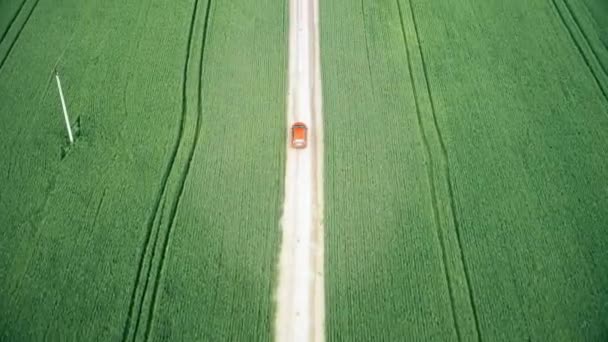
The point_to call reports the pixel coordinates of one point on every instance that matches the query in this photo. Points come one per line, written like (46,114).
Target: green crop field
(466,169)
(162,220)
(468,198)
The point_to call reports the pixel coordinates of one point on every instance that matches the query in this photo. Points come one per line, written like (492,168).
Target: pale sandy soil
(300,294)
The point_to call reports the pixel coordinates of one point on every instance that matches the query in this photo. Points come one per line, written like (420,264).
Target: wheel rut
(161,223)
(440,180)
(14,41)
(430,177)
(184,176)
(585,35)
(10,24)
(574,30)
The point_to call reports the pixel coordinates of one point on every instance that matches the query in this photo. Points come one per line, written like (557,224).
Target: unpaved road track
(300,298)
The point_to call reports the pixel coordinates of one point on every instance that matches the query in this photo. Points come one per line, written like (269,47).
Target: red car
(298,135)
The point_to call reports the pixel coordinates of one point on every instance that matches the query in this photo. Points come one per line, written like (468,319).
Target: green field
(466,169)
(162,220)
(468,198)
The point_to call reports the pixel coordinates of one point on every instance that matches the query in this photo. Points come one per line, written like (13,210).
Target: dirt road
(300,295)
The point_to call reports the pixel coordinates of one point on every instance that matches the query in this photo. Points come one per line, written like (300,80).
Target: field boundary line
(12,45)
(319,229)
(578,46)
(164,180)
(446,174)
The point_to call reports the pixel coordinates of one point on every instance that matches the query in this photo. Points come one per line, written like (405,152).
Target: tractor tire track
(184,176)
(584,56)
(164,181)
(430,177)
(10,24)
(14,41)
(585,36)
(446,178)
(143,294)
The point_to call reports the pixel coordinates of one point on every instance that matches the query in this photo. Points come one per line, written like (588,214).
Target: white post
(65,111)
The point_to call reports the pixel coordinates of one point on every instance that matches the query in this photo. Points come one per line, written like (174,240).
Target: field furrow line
(10,24)
(182,183)
(284,21)
(579,48)
(430,176)
(98,209)
(14,41)
(164,180)
(446,174)
(369,64)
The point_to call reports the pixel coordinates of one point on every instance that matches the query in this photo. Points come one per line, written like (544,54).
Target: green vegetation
(14,15)
(593,14)
(587,24)
(162,220)
(467,198)
(8,15)
(466,147)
